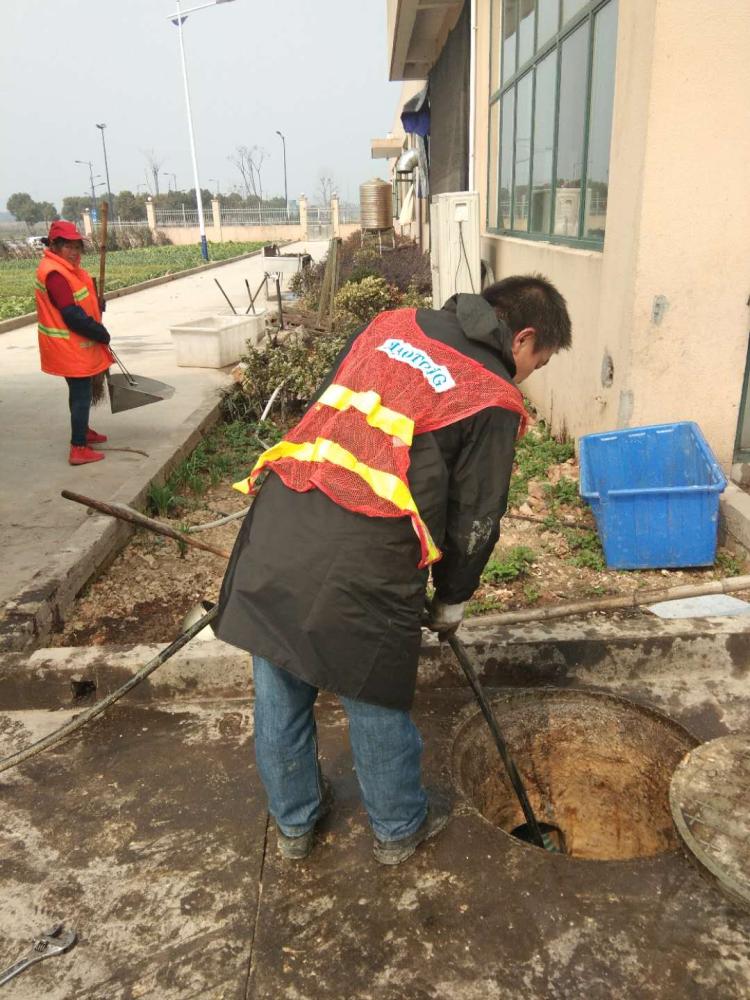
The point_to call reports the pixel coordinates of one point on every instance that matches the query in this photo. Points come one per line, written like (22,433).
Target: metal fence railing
(259,217)
(128,223)
(181,217)
(230,217)
(349,213)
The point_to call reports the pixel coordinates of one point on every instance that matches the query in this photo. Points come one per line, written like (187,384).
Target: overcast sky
(314,69)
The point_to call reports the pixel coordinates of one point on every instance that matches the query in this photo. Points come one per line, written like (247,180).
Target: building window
(552,79)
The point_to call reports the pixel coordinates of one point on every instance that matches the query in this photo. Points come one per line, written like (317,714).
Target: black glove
(81,323)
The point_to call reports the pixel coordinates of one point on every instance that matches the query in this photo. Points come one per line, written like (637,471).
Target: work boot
(93,438)
(298,848)
(81,454)
(393,852)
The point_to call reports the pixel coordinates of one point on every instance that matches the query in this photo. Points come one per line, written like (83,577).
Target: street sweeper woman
(72,341)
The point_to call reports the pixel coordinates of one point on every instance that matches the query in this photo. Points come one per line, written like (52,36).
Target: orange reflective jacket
(353,444)
(62,351)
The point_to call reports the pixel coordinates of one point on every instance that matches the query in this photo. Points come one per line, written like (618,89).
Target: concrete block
(734,509)
(216,341)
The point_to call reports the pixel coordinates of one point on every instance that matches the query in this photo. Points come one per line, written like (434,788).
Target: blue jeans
(386,747)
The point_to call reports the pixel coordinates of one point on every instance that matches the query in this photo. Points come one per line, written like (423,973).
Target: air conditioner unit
(455,255)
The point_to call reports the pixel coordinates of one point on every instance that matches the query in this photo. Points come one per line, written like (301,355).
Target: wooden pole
(142,521)
(637,599)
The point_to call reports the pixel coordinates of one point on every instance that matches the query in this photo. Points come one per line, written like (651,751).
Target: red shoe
(81,455)
(93,438)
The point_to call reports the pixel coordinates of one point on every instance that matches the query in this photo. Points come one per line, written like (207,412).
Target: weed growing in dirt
(225,455)
(531,593)
(535,453)
(728,563)
(516,563)
(481,605)
(585,547)
(161,499)
(564,493)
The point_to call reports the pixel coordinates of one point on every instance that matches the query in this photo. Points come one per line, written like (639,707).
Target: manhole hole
(595,766)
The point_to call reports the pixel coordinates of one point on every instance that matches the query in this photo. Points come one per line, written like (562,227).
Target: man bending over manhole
(401,465)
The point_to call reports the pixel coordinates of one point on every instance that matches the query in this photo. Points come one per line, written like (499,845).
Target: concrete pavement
(50,546)
(148,833)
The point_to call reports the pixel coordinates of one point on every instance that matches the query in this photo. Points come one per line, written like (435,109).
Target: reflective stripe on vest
(369,403)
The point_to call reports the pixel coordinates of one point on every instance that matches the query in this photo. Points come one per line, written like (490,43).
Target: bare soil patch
(148,589)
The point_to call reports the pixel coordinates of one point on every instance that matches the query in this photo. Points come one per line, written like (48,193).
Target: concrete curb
(592,651)
(32,615)
(15,322)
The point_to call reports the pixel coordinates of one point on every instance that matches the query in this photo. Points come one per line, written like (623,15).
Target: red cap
(63,230)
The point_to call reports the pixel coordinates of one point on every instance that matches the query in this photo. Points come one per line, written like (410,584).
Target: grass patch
(225,455)
(585,547)
(515,563)
(124,268)
(535,453)
(729,564)
(482,605)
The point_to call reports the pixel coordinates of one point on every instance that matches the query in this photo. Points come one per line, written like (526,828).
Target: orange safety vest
(353,443)
(62,351)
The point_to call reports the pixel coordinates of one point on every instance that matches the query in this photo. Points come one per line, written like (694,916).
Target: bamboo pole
(637,599)
(125,513)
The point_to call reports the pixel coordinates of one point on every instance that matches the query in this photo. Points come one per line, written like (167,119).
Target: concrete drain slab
(477,916)
(145,833)
(148,834)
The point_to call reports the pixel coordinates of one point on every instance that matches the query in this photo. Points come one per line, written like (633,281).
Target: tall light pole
(87,163)
(177,19)
(286,195)
(213,180)
(101,128)
(174,181)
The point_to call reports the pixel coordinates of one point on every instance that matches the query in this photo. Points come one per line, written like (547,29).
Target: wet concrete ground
(148,834)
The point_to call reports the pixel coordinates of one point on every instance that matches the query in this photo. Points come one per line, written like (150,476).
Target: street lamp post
(286,195)
(101,128)
(214,180)
(87,163)
(174,181)
(177,18)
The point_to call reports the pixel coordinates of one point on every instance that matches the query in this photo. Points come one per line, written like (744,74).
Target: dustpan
(127,391)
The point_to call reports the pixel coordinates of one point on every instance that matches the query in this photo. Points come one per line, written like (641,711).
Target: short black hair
(531,300)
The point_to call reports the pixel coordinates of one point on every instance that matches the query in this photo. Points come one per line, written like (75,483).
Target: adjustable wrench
(54,942)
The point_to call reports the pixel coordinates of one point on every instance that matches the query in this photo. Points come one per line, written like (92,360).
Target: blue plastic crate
(654,492)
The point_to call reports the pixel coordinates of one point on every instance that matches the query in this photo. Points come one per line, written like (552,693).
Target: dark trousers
(79,400)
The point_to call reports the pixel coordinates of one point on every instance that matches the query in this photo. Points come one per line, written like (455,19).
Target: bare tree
(326,187)
(154,166)
(249,162)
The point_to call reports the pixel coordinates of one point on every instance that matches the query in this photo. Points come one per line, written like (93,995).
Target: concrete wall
(678,227)
(182,235)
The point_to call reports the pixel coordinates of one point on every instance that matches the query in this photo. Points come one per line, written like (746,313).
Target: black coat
(336,597)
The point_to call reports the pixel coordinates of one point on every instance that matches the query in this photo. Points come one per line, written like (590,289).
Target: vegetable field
(124,268)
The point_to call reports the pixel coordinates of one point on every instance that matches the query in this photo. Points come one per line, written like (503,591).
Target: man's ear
(523,336)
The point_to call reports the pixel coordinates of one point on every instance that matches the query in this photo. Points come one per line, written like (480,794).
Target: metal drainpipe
(472,89)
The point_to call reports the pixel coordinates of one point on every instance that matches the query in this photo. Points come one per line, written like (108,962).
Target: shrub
(366,298)
(298,364)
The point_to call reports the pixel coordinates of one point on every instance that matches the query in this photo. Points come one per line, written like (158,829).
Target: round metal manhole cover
(708,796)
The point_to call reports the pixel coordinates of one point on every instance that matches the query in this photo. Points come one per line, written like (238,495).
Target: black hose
(101,706)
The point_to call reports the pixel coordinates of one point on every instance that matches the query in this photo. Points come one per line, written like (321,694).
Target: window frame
(553,44)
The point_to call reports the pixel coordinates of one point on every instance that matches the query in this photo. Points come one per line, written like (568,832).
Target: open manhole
(596,767)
